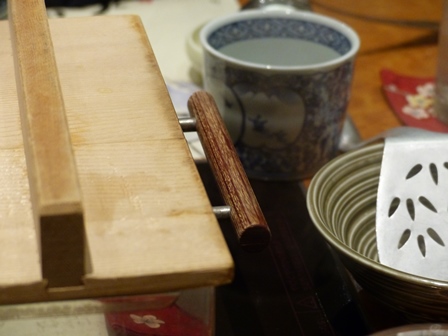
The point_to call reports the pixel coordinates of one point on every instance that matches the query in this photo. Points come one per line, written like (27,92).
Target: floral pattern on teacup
(267,115)
(292,127)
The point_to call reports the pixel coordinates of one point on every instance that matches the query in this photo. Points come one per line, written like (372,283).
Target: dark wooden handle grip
(247,218)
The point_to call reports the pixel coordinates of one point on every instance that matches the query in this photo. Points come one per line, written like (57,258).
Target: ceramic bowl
(342,203)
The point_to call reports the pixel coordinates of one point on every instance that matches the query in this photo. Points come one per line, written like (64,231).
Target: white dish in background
(194,52)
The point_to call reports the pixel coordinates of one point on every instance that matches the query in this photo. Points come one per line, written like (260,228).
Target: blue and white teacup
(281,80)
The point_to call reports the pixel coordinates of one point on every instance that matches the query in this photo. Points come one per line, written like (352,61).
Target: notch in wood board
(52,173)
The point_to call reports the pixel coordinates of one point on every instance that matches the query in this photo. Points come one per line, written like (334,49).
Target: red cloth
(170,321)
(411,98)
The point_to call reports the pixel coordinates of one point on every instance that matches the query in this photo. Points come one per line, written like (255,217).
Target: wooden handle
(54,186)
(248,220)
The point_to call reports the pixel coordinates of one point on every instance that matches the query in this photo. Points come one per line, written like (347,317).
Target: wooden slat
(149,225)
(55,191)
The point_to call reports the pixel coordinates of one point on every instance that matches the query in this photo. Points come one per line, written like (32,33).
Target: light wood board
(149,225)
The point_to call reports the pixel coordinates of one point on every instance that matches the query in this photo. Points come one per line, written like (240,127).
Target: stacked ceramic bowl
(342,203)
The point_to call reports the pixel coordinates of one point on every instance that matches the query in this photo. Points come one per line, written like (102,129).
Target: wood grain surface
(149,225)
(52,173)
(250,225)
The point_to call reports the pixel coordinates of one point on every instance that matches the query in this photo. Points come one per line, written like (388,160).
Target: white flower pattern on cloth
(150,320)
(419,105)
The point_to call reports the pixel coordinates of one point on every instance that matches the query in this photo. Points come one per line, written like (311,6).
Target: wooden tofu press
(99,193)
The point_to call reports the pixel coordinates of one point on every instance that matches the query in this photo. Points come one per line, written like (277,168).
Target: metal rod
(188,124)
(222,212)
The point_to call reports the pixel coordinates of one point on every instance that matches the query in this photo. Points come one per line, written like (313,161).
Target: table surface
(297,286)
(407,50)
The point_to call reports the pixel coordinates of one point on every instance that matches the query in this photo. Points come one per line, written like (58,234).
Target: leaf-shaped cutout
(426,202)
(421,244)
(411,208)
(394,206)
(414,171)
(404,238)
(435,236)
(434,173)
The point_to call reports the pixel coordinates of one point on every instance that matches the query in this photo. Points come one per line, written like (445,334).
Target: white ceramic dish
(194,50)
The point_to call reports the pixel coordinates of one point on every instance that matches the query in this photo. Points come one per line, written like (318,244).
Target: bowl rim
(312,195)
